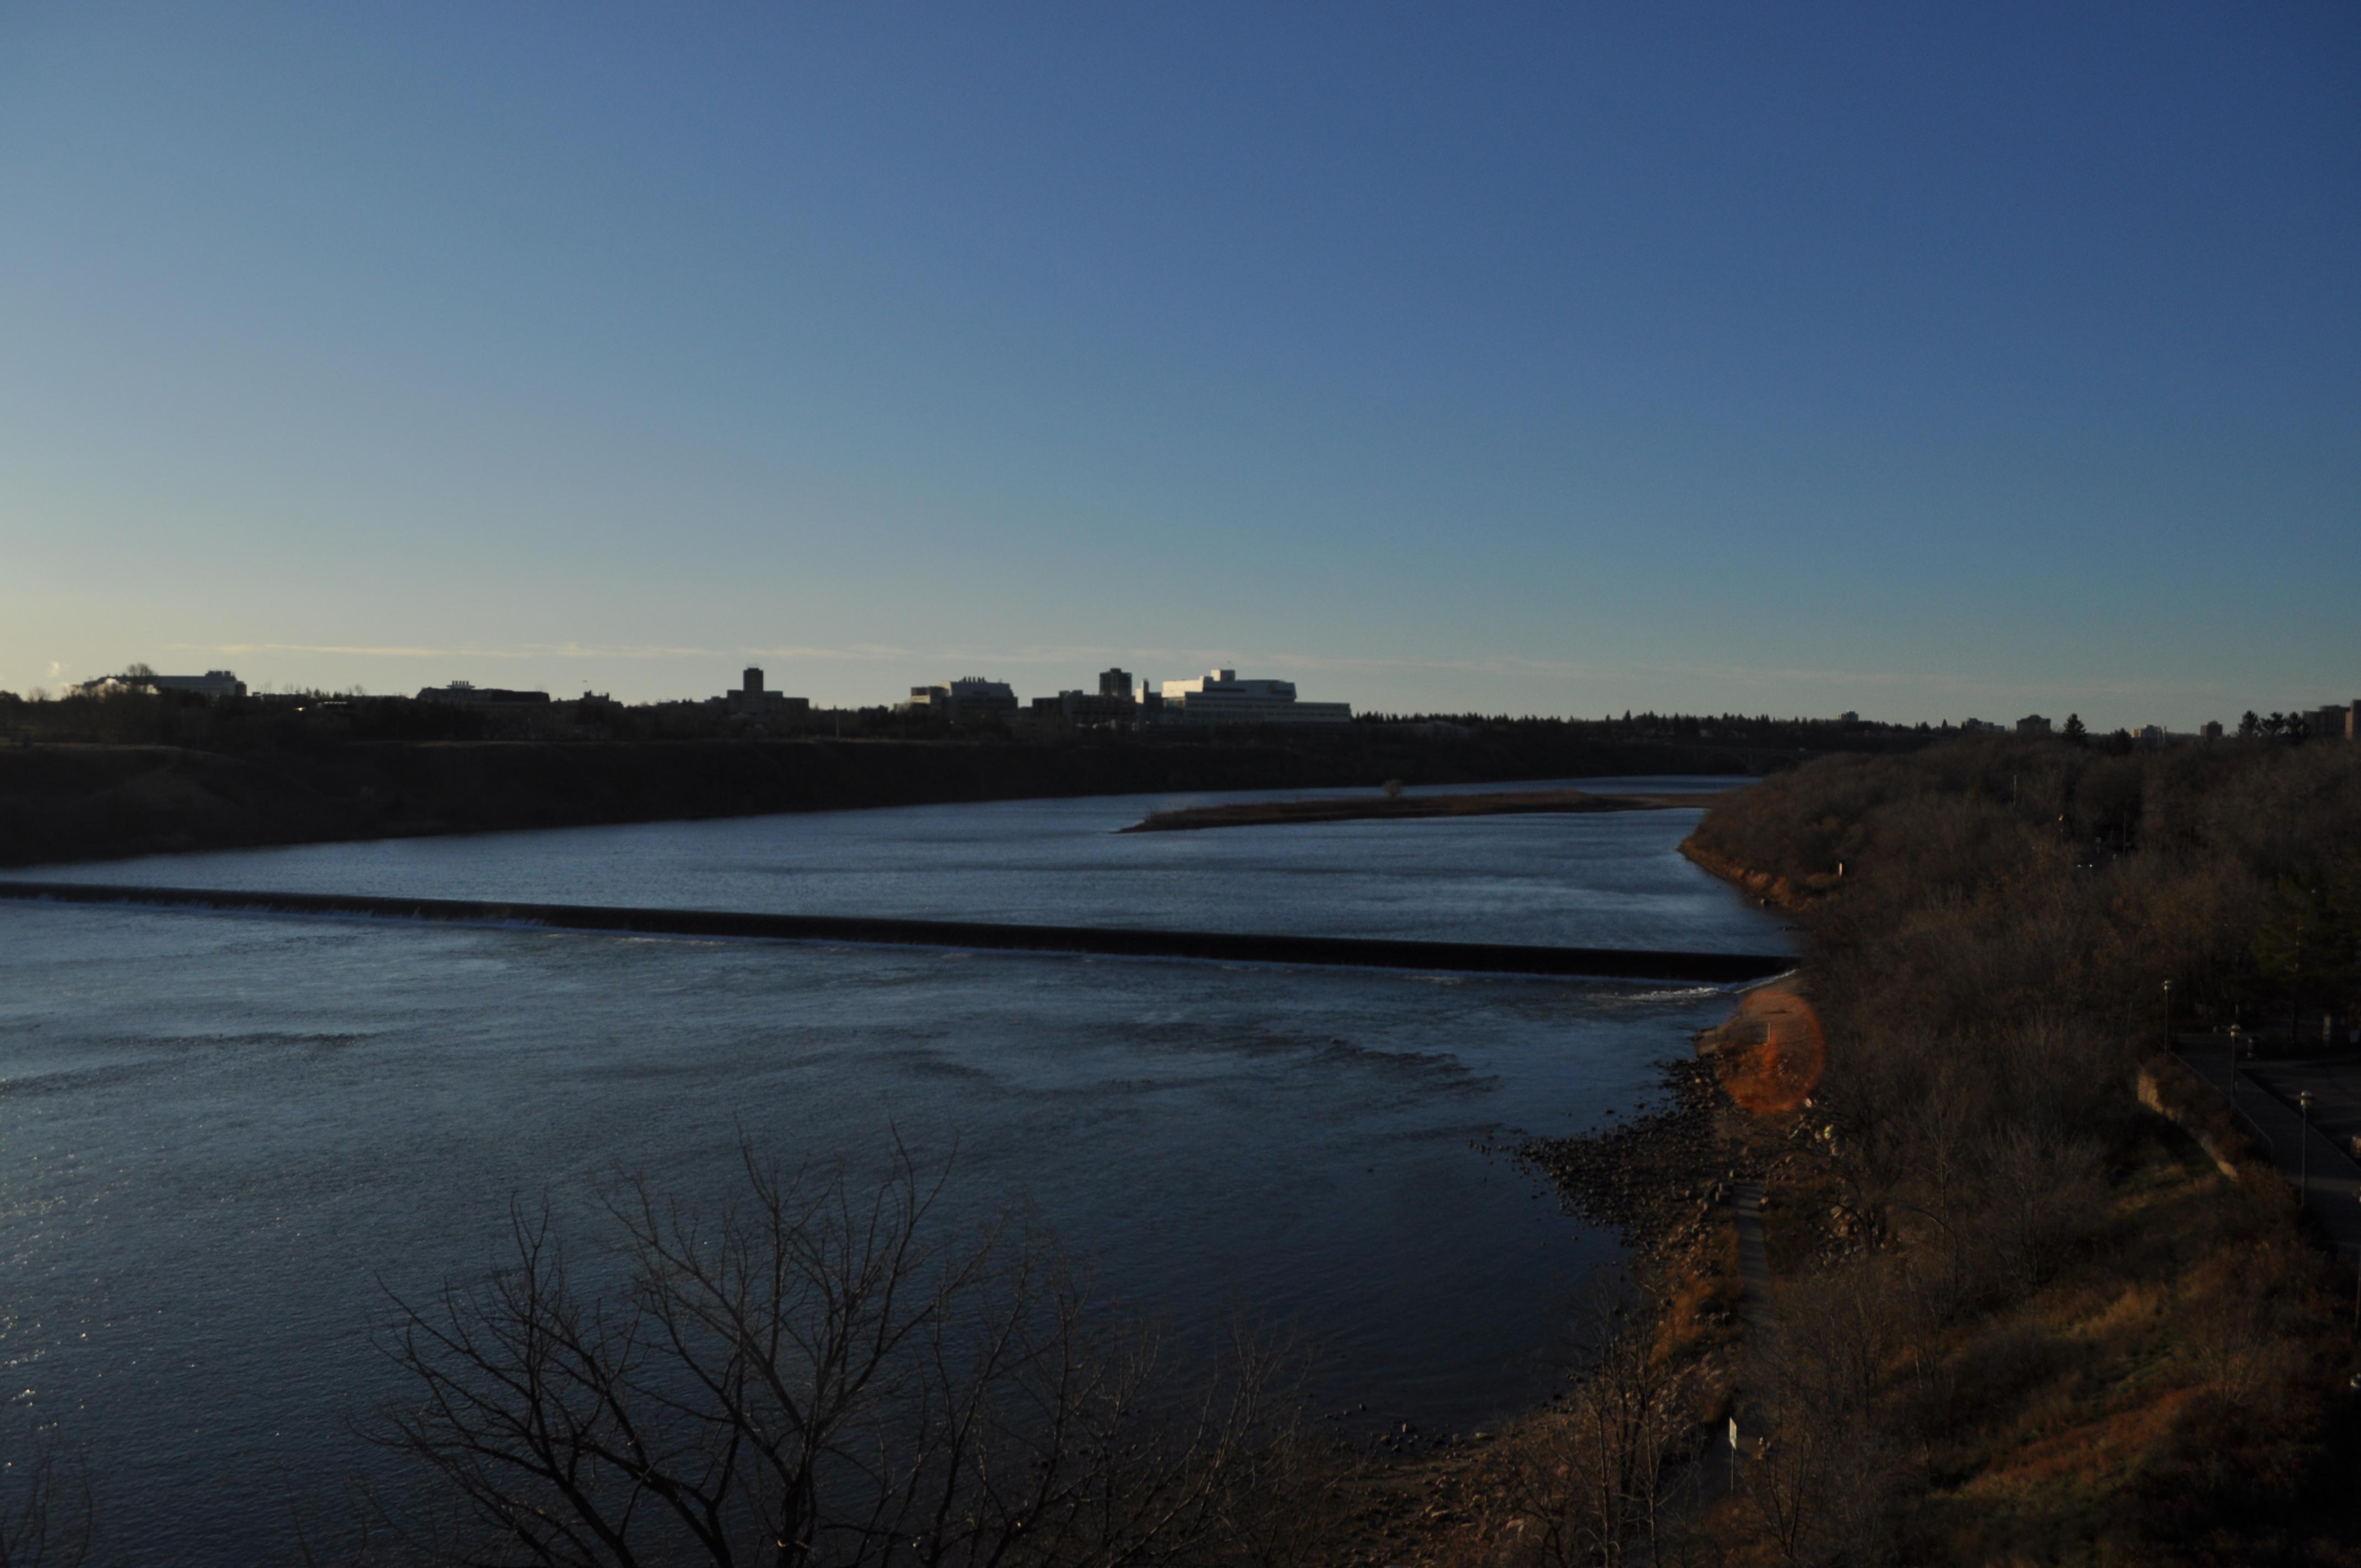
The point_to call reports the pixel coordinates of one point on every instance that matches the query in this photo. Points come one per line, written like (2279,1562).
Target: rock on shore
(1653,1179)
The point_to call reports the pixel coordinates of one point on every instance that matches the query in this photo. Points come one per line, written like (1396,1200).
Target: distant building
(965,701)
(1220,697)
(1849,717)
(465,694)
(2333,722)
(212,686)
(1113,703)
(753,701)
(1087,707)
(2211,729)
(2033,724)
(2150,736)
(1976,727)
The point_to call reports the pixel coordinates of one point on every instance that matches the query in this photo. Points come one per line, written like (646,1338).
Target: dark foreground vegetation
(142,774)
(819,1375)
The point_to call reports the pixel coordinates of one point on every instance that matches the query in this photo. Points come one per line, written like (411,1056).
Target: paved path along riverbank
(1753,1261)
(2264,1095)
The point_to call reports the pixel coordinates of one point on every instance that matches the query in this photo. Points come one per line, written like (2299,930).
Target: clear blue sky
(1927,361)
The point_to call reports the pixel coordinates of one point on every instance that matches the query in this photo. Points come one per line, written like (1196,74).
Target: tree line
(2039,1322)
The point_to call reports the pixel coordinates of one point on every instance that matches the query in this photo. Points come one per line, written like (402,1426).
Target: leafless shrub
(1595,1477)
(816,1378)
(2046,1195)
(1818,1488)
(1823,1472)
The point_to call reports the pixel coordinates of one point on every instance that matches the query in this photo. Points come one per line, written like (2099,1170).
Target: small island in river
(1494,803)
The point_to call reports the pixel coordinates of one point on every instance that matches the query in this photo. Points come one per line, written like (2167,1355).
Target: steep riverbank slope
(2020,1314)
(2022,1293)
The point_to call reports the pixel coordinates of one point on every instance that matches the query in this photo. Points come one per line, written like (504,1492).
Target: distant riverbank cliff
(70,800)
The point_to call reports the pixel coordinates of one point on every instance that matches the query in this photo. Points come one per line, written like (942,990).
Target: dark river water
(224,1138)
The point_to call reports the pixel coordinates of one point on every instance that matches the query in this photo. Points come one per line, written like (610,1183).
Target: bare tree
(1596,1476)
(49,1510)
(2046,1192)
(814,1378)
(1821,1475)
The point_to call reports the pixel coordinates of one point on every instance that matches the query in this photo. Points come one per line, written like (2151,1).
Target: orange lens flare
(1772,1053)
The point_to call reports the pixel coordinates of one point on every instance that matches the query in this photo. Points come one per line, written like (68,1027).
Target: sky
(1921,361)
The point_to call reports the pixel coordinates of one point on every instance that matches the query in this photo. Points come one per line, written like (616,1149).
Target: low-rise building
(1113,703)
(2033,724)
(965,701)
(1081,708)
(752,700)
(1218,696)
(212,686)
(465,694)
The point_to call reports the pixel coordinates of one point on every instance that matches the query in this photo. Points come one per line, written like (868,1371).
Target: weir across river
(1476,958)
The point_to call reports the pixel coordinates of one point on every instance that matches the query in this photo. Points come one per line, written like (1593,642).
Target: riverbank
(2160,1388)
(2020,1311)
(1385,807)
(1661,1180)
(1795,896)
(2018,1299)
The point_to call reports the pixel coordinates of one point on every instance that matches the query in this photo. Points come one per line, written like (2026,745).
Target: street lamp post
(2303,1139)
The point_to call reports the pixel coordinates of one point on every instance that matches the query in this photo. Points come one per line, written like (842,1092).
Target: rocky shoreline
(1660,1181)
(1656,1179)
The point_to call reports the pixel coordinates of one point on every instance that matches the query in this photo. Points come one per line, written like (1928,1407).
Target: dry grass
(2159,1401)
(2197,1322)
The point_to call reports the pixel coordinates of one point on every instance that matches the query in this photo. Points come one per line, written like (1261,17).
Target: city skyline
(1438,360)
(758,676)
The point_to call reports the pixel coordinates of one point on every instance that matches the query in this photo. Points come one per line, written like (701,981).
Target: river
(226,1137)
